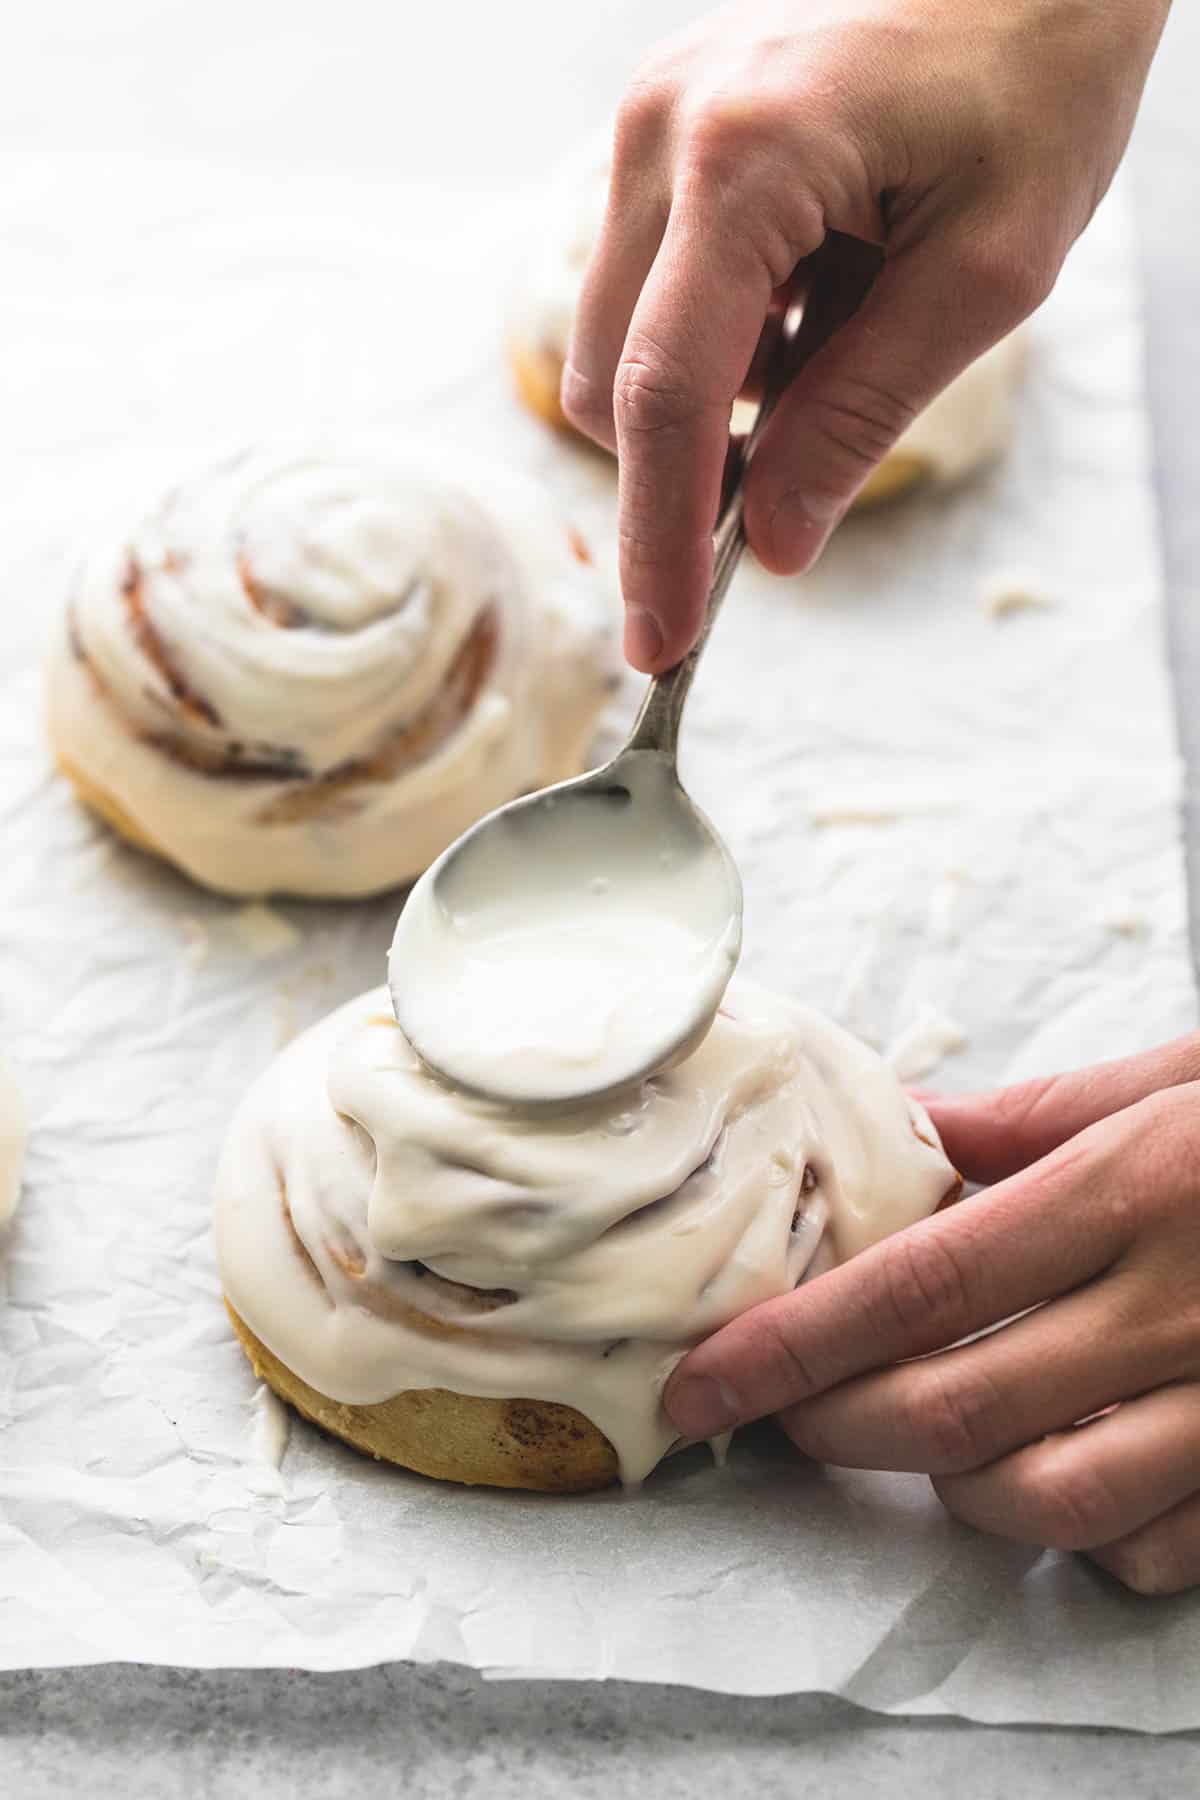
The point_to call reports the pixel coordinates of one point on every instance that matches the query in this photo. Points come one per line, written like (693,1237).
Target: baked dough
(533,1444)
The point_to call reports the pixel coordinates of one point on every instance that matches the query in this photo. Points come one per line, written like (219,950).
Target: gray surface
(440,1732)
(164,1733)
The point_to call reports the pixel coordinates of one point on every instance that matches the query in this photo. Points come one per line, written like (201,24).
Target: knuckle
(1072,1506)
(651,393)
(586,403)
(642,114)
(1009,279)
(924,1285)
(731,170)
(952,1421)
(718,130)
(1163,1123)
(1088,1176)
(1186,1059)
(1016,1108)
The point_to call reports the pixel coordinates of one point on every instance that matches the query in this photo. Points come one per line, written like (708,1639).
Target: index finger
(689,346)
(990,1136)
(1034,1237)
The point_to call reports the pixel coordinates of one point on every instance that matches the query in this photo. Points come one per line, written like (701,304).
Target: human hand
(971,140)
(1095,1222)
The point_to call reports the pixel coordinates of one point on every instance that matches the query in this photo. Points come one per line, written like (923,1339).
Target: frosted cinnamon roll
(493,1296)
(308,673)
(969,423)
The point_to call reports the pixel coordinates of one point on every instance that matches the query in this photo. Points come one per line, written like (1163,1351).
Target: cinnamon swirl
(307,673)
(966,426)
(493,1296)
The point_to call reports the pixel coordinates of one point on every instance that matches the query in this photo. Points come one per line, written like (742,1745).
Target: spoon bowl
(572,942)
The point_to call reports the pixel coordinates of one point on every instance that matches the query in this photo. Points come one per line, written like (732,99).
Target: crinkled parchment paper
(957,823)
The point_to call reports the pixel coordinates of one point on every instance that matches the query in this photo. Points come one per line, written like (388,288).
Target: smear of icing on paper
(1012,591)
(268,1440)
(922,1045)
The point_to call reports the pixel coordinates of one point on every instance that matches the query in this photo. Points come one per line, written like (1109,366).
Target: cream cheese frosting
(965,426)
(580,1253)
(310,669)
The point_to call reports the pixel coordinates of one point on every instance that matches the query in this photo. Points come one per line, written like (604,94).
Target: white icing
(965,426)
(623,1232)
(197,941)
(1125,919)
(921,1046)
(263,931)
(270,1434)
(572,944)
(14,1134)
(268,1441)
(314,604)
(945,903)
(1013,590)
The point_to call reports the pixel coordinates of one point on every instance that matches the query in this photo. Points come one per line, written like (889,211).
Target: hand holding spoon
(580,939)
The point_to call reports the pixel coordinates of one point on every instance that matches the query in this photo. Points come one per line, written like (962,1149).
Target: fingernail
(799,525)
(643,638)
(700,1406)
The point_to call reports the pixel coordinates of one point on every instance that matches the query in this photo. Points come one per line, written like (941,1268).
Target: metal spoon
(463,967)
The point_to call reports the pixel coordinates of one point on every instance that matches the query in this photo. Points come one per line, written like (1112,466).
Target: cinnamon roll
(496,1296)
(307,673)
(14,1132)
(966,426)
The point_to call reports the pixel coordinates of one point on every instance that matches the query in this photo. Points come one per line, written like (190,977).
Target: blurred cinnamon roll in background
(307,673)
(965,427)
(497,1295)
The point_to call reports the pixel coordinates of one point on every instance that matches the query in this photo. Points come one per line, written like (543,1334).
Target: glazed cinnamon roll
(493,1296)
(969,423)
(308,673)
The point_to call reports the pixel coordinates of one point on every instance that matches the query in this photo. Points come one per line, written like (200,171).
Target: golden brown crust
(454,1437)
(537,374)
(895,475)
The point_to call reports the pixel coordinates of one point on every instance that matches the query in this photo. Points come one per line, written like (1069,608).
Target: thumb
(935,307)
(992,1136)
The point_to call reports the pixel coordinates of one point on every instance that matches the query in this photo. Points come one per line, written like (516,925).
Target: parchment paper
(954,828)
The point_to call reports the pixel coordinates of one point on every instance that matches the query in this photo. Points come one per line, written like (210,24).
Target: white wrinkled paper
(957,825)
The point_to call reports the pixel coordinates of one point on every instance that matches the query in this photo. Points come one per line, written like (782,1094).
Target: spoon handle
(839,277)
